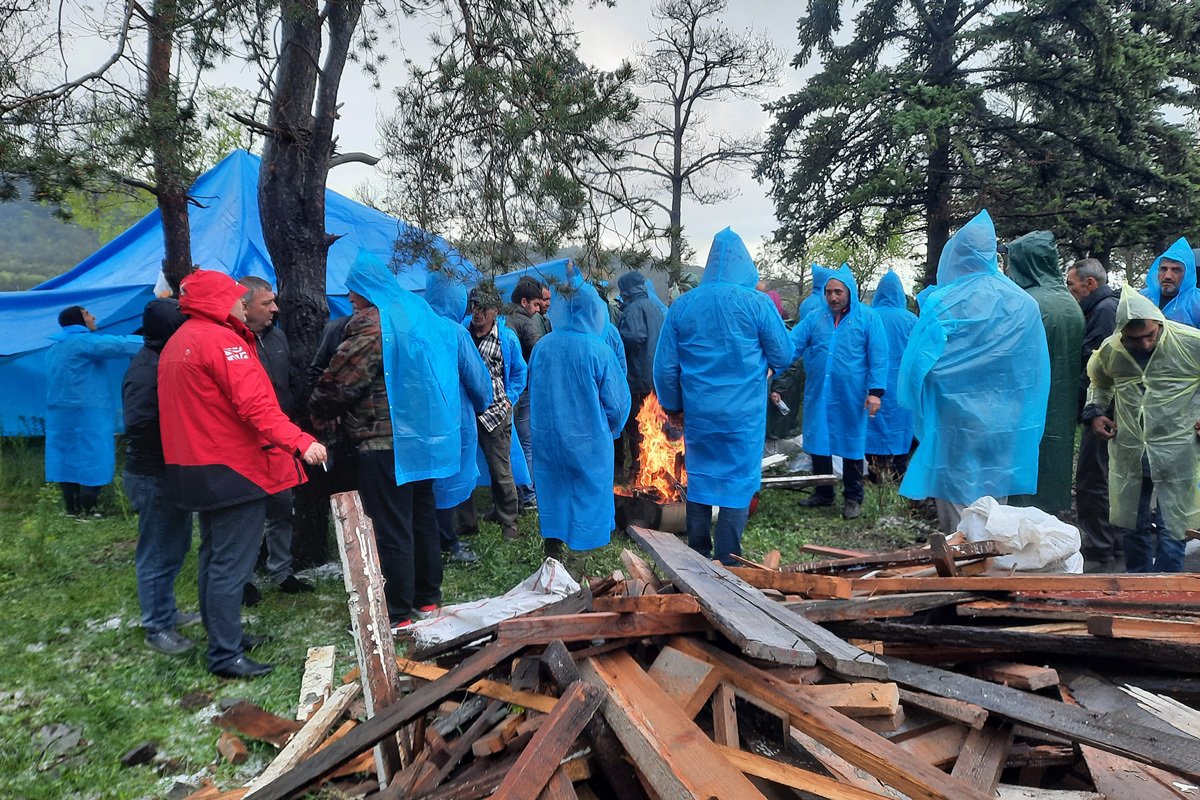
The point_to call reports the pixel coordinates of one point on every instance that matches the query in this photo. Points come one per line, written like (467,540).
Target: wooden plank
(937,744)
(724,713)
(317,682)
(840,768)
(795,582)
(800,481)
(487,688)
(1169,710)
(673,755)
(831,552)
(984,756)
(969,714)
(599,625)
(307,739)
(856,699)
(647,603)
(795,777)
(637,568)
(1182,657)
(688,681)
(614,766)
(771,559)
(886,761)
(250,721)
(1180,582)
(885,605)
(1027,677)
(369,621)
(1121,627)
(1175,753)
(550,744)
(559,787)
(387,722)
(912,556)
(1006,792)
(760,627)
(494,740)
(457,750)
(942,555)
(578,603)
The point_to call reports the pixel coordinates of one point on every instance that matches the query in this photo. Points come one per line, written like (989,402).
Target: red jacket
(225,439)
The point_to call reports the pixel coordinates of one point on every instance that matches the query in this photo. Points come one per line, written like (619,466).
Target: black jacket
(274,354)
(139,389)
(640,324)
(1100,320)
(528,328)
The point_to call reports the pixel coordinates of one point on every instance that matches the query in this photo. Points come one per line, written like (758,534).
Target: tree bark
(291,201)
(938,187)
(162,105)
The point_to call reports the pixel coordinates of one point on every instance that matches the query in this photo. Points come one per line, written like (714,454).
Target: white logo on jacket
(236,353)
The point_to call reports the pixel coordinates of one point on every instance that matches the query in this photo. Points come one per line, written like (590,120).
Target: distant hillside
(35,245)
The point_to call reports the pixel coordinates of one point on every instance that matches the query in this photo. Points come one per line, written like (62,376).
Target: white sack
(1039,541)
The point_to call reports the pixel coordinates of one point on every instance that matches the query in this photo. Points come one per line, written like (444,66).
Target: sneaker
(185,618)
(511,533)
(851,510)
(169,642)
(398,627)
(293,585)
(424,612)
(463,555)
(250,595)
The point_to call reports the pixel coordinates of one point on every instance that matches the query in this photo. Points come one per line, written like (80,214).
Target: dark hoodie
(1033,265)
(139,390)
(641,322)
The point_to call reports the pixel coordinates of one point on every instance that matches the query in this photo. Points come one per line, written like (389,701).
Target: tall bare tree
(694,60)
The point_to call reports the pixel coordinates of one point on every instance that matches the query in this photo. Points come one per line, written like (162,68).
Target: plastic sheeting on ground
(1038,541)
(549,584)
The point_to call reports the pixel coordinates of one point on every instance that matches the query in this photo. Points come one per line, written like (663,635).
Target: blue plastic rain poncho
(612,338)
(1156,409)
(80,410)
(890,432)
(842,361)
(976,375)
(1185,306)
(420,371)
(713,352)
(641,321)
(447,296)
(577,406)
(816,298)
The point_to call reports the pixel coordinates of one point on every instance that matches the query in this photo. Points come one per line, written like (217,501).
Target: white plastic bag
(550,583)
(1039,541)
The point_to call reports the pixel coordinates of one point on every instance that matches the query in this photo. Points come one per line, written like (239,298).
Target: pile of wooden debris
(818,683)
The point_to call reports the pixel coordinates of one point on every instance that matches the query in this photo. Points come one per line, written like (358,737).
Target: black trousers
(631,440)
(852,478)
(406,534)
(1102,540)
(79,499)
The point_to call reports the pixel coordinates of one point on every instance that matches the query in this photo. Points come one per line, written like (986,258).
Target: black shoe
(169,642)
(185,618)
(253,640)
(851,510)
(816,501)
(293,585)
(250,595)
(243,667)
(463,555)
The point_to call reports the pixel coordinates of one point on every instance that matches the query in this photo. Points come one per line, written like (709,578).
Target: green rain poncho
(1156,411)
(1033,265)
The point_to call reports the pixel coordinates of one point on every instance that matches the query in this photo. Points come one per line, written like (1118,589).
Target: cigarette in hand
(325,466)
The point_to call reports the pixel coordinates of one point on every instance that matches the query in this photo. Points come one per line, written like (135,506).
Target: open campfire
(657,493)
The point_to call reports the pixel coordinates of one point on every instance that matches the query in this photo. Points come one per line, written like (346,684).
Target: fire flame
(661,473)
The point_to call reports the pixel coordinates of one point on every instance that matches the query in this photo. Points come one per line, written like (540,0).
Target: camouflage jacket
(352,389)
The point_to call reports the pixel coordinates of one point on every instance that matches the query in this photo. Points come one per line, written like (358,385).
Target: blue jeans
(164,538)
(278,533)
(730,524)
(229,542)
(525,436)
(1142,552)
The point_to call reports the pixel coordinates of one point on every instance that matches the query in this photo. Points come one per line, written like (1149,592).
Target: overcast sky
(607,35)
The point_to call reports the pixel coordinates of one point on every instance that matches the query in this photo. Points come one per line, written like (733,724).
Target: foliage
(692,62)
(35,245)
(502,141)
(1051,113)
(868,259)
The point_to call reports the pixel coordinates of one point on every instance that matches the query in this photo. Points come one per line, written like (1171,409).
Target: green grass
(74,657)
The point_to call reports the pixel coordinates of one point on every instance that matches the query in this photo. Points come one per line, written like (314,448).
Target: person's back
(578,405)
(641,322)
(1033,265)
(890,432)
(976,375)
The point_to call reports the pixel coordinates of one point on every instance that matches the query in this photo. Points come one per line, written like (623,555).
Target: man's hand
(315,454)
(872,405)
(1105,428)
(775,398)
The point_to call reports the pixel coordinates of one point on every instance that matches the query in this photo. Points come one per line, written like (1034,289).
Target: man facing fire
(710,374)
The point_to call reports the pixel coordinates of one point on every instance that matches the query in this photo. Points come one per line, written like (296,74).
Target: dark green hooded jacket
(1033,265)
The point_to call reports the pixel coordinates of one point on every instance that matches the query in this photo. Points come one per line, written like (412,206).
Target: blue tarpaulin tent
(115,282)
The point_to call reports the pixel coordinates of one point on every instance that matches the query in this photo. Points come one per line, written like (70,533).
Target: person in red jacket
(227,446)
